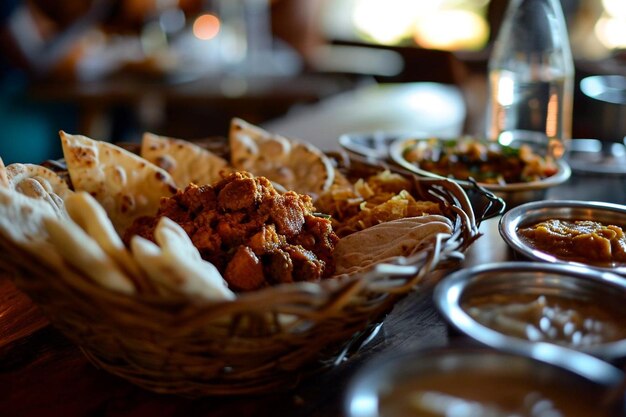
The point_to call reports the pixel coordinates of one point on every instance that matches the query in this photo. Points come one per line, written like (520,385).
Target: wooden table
(43,374)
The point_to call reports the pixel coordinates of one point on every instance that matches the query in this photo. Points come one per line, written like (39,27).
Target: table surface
(43,374)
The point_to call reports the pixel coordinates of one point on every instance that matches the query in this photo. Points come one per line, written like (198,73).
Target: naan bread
(185,161)
(126,185)
(40,183)
(177,265)
(296,165)
(385,241)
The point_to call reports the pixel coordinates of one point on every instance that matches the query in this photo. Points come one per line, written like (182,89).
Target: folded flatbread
(40,183)
(185,161)
(296,165)
(83,253)
(126,185)
(384,242)
(176,264)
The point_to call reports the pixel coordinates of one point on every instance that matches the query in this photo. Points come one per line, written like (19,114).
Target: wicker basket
(262,341)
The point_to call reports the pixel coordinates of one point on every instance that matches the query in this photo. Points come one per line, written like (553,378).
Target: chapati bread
(126,185)
(177,265)
(386,241)
(21,225)
(78,249)
(296,165)
(85,211)
(185,161)
(40,183)
(21,217)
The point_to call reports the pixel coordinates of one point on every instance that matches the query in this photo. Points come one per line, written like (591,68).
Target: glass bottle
(531,78)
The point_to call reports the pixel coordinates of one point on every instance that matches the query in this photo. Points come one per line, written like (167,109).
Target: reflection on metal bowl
(534,212)
(496,304)
(481,382)
(513,194)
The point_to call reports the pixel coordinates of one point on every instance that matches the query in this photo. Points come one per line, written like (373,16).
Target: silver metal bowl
(513,194)
(534,212)
(385,388)
(576,283)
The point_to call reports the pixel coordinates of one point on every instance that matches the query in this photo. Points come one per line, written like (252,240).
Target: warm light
(505,89)
(611,32)
(552,118)
(615,8)
(390,21)
(451,30)
(206,27)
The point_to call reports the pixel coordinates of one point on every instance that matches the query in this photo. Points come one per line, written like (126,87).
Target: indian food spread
(585,241)
(178,219)
(485,162)
(569,322)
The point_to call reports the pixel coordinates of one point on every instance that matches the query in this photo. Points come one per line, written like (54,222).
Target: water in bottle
(531,79)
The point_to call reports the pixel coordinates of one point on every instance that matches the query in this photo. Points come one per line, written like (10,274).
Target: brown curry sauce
(583,241)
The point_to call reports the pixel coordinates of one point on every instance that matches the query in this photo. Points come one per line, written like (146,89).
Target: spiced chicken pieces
(251,233)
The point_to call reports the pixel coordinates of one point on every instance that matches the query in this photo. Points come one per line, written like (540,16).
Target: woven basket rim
(255,343)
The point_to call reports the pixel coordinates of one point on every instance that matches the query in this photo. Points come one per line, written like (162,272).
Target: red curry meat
(251,233)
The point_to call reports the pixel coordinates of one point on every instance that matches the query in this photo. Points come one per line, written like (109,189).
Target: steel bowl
(534,212)
(513,194)
(387,387)
(568,282)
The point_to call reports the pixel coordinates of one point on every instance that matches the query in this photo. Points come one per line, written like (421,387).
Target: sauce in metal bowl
(585,241)
(565,321)
(475,381)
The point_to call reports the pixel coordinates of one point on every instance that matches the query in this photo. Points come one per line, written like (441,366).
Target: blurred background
(112,69)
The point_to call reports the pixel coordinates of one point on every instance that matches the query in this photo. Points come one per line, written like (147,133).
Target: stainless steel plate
(531,278)
(534,212)
(513,194)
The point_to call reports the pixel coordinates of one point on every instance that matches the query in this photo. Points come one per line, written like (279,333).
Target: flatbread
(296,165)
(185,161)
(40,183)
(386,241)
(126,185)
(177,264)
(21,225)
(85,211)
(21,217)
(78,249)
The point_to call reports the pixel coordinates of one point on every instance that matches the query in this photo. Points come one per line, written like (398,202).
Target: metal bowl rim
(448,294)
(511,219)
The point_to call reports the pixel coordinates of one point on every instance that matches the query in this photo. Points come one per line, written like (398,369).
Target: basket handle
(486,204)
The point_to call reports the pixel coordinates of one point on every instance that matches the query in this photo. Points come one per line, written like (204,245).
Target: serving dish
(572,293)
(534,212)
(258,341)
(513,194)
(434,381)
